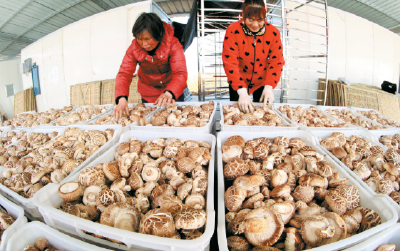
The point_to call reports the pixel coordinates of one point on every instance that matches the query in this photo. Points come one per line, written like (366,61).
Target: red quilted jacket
(165,71)
(252,61)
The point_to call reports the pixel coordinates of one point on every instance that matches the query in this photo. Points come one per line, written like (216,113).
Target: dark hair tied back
(254,8)
(150,22)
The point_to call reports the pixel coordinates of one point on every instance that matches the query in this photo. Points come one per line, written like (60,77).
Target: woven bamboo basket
(389,106)
(86,94)
(108,92)
(19,102)
(361,97)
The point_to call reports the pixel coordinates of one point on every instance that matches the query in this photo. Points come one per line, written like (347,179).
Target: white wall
(10,73)
(362,51)
(88,50)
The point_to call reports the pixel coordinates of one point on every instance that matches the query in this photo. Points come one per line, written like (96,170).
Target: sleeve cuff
(173,95)
(117,99)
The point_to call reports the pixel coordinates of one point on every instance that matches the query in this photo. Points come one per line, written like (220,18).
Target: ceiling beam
(376,7)
(12,38)
(16,13)
(102,4)
(47,17)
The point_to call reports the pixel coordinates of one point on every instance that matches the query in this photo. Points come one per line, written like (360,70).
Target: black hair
(150,22)
(254,8)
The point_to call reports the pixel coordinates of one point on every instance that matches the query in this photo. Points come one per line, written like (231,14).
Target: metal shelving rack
(300,51)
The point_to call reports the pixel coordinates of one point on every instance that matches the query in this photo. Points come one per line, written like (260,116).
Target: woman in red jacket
(252,56)
(162,65)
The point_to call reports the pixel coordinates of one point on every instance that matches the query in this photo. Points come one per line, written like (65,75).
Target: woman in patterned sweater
(252,56)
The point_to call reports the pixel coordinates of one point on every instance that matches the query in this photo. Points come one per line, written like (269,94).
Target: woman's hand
(245,103)
(165,98)
(267,95)
(120,108)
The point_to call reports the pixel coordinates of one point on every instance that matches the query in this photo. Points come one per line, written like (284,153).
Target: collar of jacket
(248,32)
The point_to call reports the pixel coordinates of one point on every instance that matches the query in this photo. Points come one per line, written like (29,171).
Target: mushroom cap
(111,170)
(337,181)
(234,197)
(235,140)
(238,243)
(184,190)
(386,247)
(70,191)
(159,191)
(308,151)
(336,202)
(121,215)
(293,239)
(234,168)
(370,219)
(352,195)
(304,193)
(314,228)
(263,226)
(230,152)
(279,177)
(41,243)
(339,152)
(196,201)
(391,168)
(286,209)
(313,180)
(91,195)
(249,203)
(91,176)
(190,218)
(135,181)
(185,165)
(325,169)
(352,225)
(280,190)
(339,225)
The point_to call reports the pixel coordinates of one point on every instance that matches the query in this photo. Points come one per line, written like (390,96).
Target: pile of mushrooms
(349,117)
(137,113)
(155,187)
(282,193)
(262,116)
(35,119)
(386,247)
(377,117)
(377,168)
(81,115)
(39,158)
(183,116)
(311,117)
(41,244)
(11,137)
(6,221)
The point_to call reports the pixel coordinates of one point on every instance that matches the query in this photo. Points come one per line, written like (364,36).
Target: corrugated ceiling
(22,22)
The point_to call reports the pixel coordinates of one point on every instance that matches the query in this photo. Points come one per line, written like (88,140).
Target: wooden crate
(108,92)
(24,101)
(361,97)
(86,94)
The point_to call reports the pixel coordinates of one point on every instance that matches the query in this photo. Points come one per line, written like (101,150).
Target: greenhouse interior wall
(10,73)
(92,49)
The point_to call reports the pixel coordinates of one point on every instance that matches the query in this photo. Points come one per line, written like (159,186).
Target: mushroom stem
(329,232)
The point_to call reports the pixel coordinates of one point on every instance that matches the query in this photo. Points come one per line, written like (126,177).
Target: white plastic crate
(379,204)
(125,128)
(324,108)
(306,128)
(291,125)
(28,234)
(5,129)
(16,130)
(369,137)
(390,235)
(355,109)
(209,128)
(27,203)
(20,220)
(48,200)
(108,107)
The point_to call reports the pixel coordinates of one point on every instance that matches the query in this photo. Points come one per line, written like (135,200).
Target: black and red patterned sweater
(252,60)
